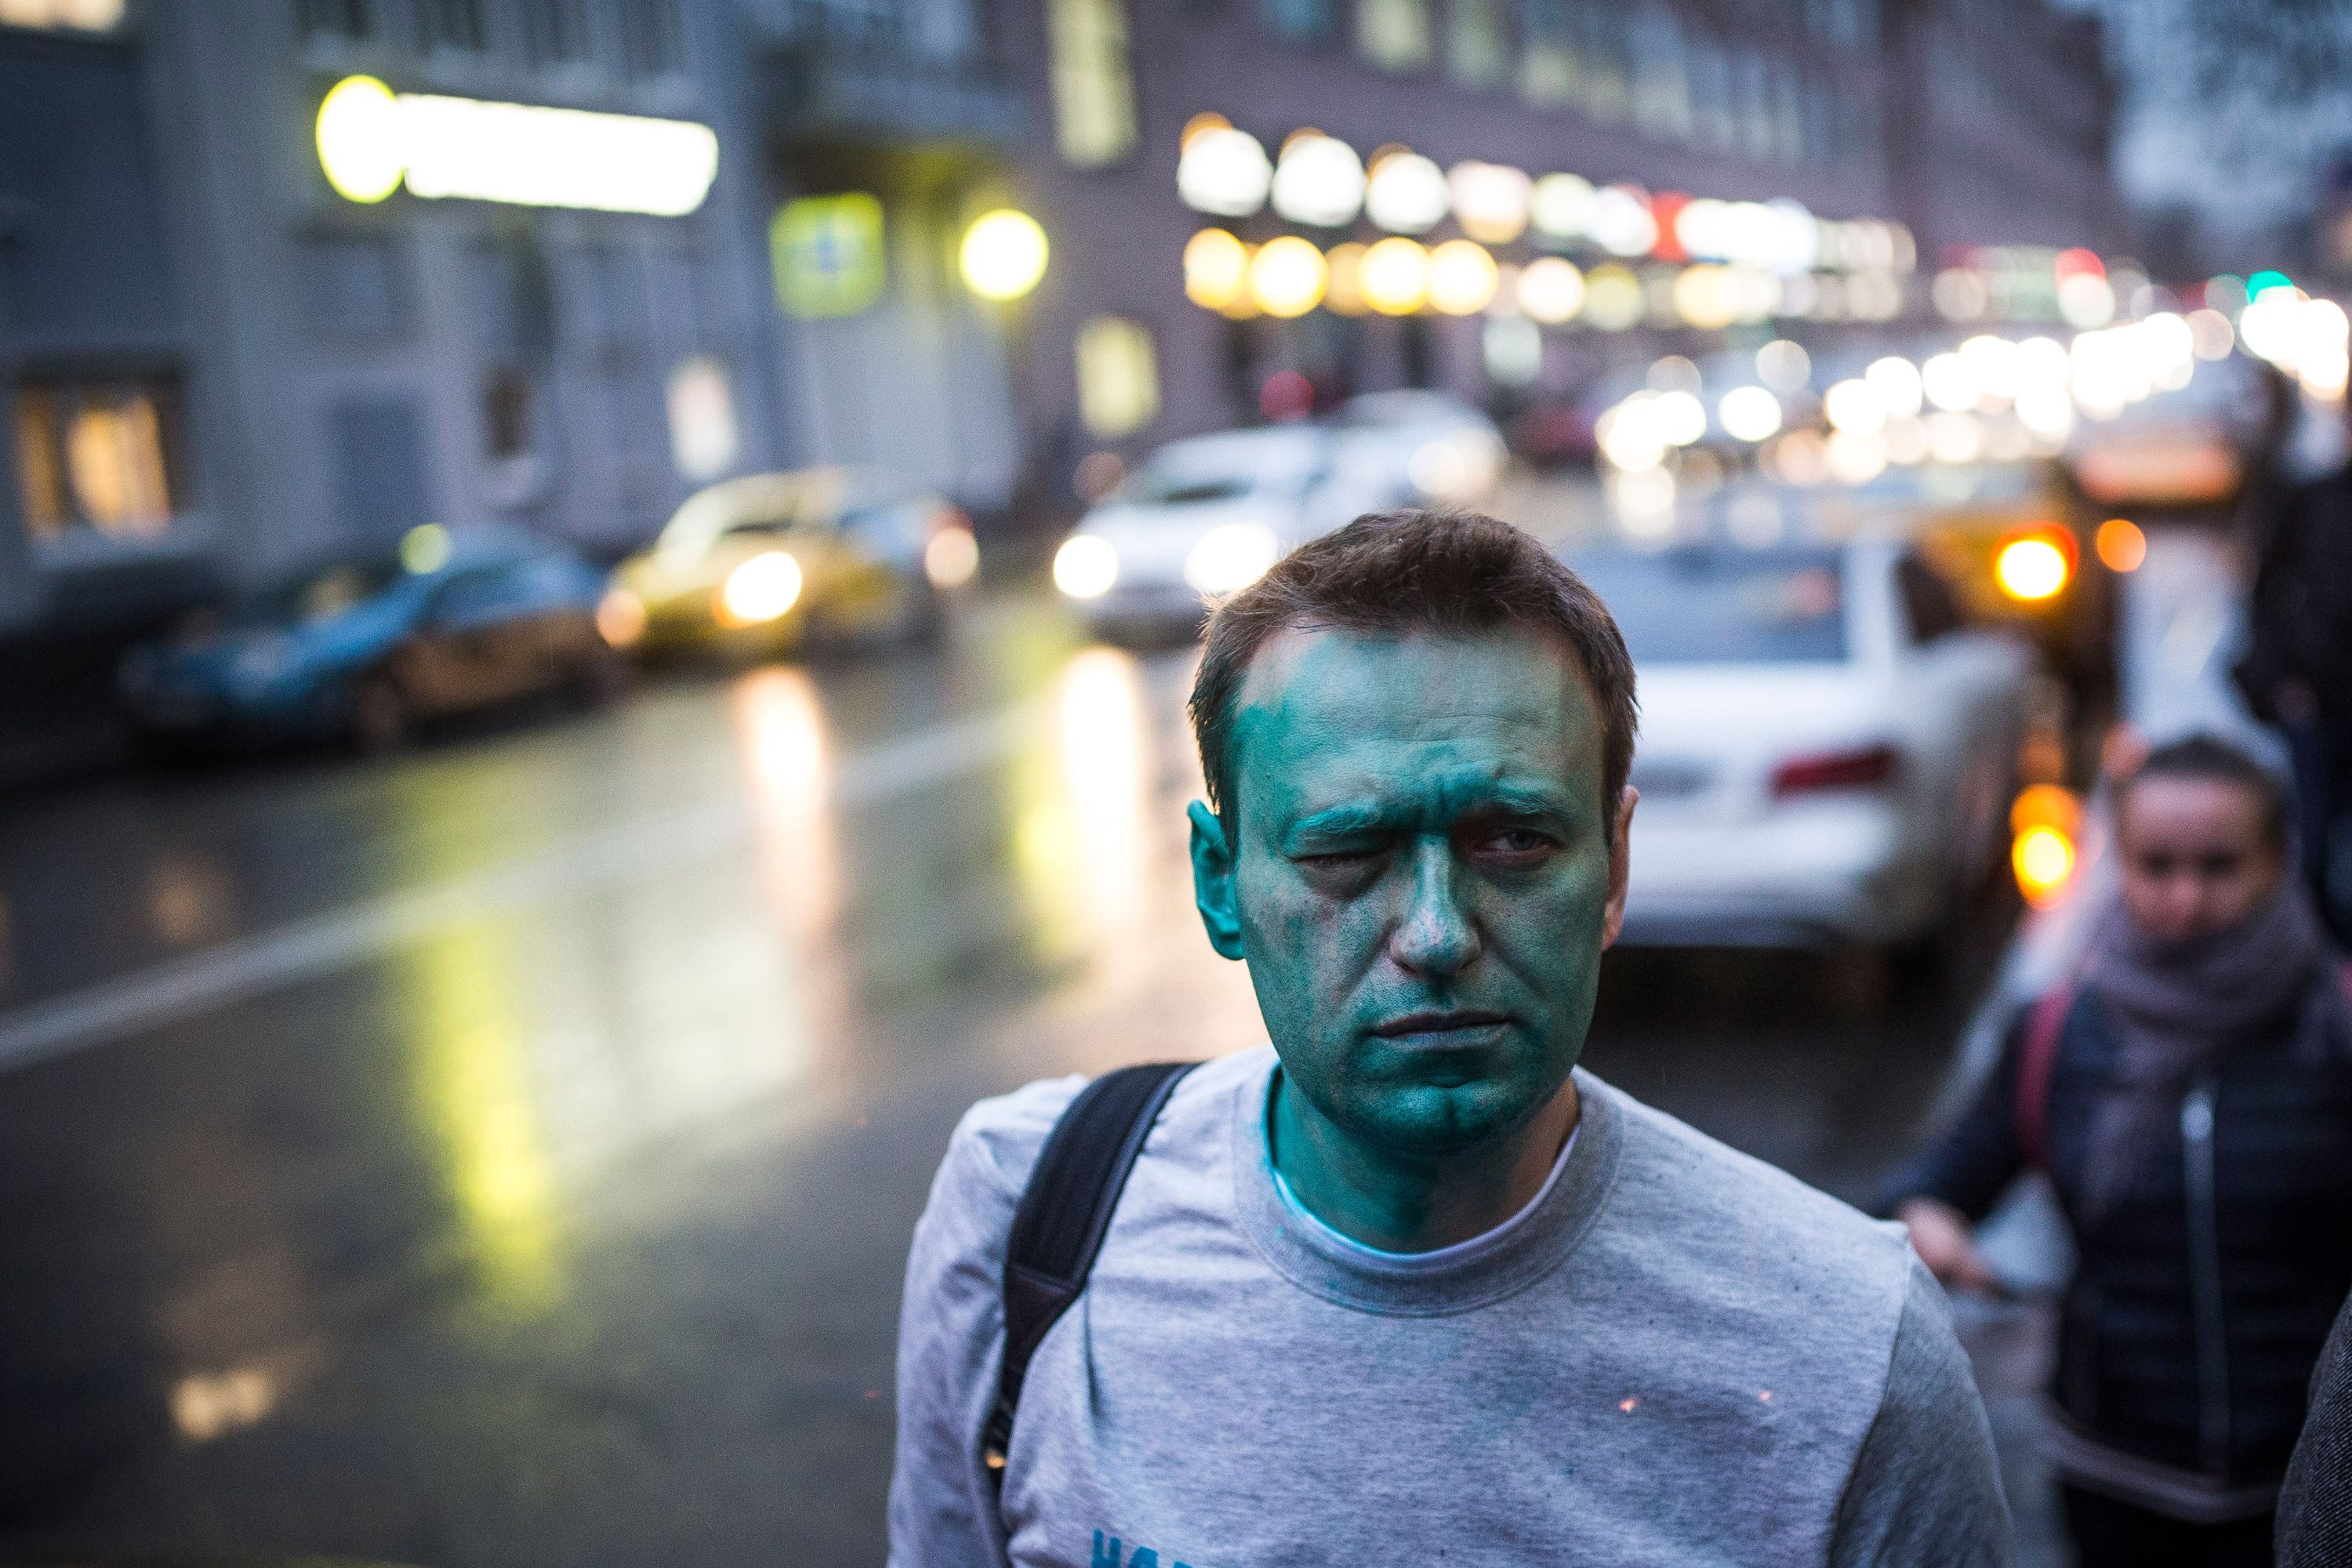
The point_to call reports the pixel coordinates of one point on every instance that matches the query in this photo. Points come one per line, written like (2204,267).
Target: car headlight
(1085,566)
(260,662)
(1230,557)
(950,557)
(1439,469)
(759,590)
(621,618)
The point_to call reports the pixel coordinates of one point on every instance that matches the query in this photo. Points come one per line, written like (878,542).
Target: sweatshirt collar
(1463,1276)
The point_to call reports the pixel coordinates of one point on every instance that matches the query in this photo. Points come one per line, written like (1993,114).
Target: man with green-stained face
(1405,1285)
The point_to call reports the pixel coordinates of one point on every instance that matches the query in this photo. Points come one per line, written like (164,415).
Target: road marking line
(338,939)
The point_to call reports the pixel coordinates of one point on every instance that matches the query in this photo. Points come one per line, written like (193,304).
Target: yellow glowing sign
(371,141)
(827,255)
(1004,254)
(358,139)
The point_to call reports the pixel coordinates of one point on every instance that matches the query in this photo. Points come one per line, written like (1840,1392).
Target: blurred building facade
(214,364)
(212,353)
(1970,123)
(2008,131)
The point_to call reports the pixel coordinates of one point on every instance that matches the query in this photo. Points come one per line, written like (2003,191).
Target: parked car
(461,618)
(1429,447)
(772,563)
(1827,747)
(2013,541)
(1206,516)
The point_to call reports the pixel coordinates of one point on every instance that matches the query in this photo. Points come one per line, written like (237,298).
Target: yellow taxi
(774,562)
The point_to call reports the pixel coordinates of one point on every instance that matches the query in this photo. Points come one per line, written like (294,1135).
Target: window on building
(610,308)
(1603,46)
(1713,121)
(1759,127)
(351,20)
(653,37)
(1094,84)
(1788,111)
(1661,75)
(1548,68)
(1844,24)
(511,297)
(556,31)
(97,455)
(1119,376)
(453,24)
(1477,42)
(506,413)
(63,16)
(1820,117)
(1298,19)
(1393,34)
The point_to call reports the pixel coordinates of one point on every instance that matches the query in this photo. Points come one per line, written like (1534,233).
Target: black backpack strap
(1064,1210)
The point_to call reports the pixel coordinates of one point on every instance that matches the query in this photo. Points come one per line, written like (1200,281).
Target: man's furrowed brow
(1485,798)
(1349,819)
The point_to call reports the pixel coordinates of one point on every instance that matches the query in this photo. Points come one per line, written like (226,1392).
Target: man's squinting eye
(1344,859)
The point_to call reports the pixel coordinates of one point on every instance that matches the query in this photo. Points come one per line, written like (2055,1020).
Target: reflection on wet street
(506,1155)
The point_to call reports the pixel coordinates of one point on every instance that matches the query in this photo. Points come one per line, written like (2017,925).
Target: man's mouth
(1435,1025)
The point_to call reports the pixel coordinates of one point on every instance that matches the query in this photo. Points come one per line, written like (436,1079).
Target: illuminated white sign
(373,140)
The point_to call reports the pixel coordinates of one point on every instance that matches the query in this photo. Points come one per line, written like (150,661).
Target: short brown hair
(1416,570)
(2212,760)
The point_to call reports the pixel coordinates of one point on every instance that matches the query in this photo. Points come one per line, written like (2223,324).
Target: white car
(1827,753)
(1205,517)
(1429,447)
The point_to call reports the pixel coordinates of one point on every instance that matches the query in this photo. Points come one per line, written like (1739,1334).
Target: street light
(1004,254)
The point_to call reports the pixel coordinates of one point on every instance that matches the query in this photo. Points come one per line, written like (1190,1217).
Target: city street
(505,1154)
(592,649)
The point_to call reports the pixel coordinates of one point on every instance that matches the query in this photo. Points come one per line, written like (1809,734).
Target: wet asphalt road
(505,1154)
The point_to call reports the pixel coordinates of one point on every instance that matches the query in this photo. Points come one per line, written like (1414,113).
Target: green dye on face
(1422,844)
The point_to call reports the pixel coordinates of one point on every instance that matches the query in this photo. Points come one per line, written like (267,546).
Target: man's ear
(1620,866)
(1213,882)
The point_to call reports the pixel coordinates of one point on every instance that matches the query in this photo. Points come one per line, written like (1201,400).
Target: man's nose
(1436,935)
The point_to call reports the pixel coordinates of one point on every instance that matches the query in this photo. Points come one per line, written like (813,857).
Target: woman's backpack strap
(1063,1213)
(2037,1060)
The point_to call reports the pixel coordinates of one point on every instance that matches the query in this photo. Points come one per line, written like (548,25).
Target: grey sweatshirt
(1677,1355)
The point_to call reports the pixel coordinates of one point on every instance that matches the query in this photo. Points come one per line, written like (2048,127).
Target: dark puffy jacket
(2299,609)
(2189,1330)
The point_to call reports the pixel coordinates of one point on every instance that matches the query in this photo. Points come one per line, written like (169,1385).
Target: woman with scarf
(2189,1093)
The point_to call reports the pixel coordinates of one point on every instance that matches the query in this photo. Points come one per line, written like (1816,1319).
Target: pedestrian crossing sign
(827,252)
